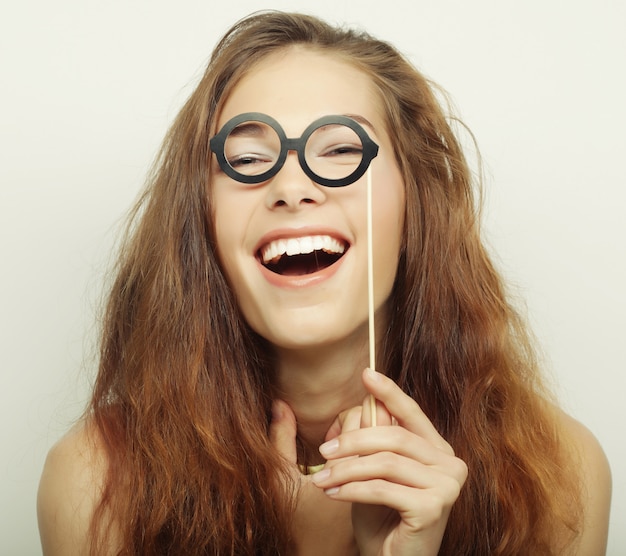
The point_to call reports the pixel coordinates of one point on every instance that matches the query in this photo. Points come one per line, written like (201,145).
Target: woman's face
(313,299)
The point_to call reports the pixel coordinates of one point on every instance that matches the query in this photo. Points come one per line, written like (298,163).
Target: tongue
(300,265)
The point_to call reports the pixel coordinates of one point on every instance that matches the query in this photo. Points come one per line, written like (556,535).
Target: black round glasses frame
(217,142)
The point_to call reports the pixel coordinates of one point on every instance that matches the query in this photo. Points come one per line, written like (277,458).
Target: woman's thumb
(283,430)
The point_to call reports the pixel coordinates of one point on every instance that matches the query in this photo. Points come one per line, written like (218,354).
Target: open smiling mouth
(301,256)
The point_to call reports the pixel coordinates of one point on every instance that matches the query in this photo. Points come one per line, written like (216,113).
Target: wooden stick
(370,290)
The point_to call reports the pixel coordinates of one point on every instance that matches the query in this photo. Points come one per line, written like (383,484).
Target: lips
(301,256)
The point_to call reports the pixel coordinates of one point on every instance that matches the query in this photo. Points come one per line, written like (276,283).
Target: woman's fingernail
(320,476)
(329,447)
(373,375)
(331,491)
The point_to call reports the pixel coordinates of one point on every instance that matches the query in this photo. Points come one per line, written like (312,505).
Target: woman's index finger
(403,408)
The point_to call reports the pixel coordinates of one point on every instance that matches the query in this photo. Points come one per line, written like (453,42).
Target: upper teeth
(299,246)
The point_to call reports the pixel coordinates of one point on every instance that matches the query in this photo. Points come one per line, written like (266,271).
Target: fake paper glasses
(334,151)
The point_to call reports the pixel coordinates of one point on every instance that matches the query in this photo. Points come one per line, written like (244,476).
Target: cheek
(388,199)
(227,216)
(388,211)
(222,219)
(232,206)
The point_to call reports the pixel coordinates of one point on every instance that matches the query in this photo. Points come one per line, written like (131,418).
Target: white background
(87,90)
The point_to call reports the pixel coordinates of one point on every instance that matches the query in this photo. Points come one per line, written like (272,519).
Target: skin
(395,497)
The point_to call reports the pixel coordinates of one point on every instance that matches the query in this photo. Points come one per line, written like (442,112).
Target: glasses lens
(252,148)
(333,151)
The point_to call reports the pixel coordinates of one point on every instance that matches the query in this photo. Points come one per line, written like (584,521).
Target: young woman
(235,343)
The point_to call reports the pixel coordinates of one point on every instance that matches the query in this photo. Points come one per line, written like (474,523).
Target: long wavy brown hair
(184,389)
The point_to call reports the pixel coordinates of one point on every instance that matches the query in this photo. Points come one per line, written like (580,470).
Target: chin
(320,333)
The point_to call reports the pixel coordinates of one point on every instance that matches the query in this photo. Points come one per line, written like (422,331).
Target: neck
(319,383)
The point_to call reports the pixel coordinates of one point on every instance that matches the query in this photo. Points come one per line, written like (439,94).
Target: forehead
(299,85)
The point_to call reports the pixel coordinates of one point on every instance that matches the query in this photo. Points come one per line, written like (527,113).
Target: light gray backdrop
(87,90)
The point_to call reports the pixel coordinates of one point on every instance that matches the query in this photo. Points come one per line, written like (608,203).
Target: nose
(292,189)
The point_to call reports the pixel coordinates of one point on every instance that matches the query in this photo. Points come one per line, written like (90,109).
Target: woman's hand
(320,524)
(403,482)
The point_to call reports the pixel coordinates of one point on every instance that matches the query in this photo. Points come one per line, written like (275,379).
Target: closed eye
(342,154)
(248,159)
(337,150)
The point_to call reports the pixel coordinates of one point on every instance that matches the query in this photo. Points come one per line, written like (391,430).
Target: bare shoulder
(69,491)
(594,473)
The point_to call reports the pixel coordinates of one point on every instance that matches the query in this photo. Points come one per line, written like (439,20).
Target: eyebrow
(257,129)
(362,120)
(249,129)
